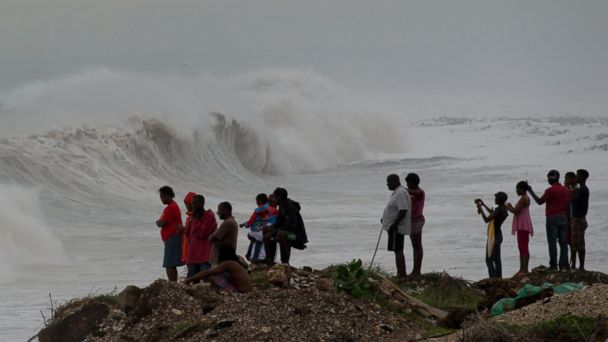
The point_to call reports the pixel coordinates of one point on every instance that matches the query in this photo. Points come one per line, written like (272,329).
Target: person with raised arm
(495,219)
(557,204)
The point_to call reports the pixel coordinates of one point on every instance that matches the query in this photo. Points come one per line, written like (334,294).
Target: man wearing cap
(557,204)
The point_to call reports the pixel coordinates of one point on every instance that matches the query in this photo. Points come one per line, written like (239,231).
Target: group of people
(566,209)
(403,215)
(209,250)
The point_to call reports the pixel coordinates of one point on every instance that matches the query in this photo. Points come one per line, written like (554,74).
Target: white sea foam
(25,237)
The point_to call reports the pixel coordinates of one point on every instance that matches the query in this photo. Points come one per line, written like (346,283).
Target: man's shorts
(417,224)
(579,225)
(173,251)
(395,240)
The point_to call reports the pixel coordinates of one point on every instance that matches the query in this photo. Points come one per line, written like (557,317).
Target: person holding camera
(495,218)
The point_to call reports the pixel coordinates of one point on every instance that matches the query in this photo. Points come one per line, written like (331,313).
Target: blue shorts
(173,251)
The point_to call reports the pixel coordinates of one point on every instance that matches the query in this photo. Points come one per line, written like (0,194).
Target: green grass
(183,328)
(370,294)
(569,326)
(512,328)
(443,291)
(564,328)
(107,298)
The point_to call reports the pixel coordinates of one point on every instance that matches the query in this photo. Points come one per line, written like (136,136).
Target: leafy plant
(351,278)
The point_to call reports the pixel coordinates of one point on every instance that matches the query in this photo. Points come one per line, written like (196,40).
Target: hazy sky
(524,56)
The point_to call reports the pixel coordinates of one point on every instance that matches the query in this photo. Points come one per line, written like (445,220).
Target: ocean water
(81,159)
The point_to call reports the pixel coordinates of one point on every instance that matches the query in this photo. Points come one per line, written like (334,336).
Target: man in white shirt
(396,219)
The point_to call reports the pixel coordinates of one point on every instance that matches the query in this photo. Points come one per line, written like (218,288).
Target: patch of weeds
(108,298)
(431,329)
(378,269)
(512,328)
(440,290)
(183,328)
(565,328)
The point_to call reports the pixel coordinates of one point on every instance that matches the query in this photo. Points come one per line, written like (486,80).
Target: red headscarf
(188,201)
(189,197)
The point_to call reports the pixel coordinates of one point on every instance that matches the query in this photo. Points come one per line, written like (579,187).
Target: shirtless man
(229,274)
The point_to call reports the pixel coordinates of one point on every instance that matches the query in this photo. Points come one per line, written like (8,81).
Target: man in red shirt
(170,224)
(557,204)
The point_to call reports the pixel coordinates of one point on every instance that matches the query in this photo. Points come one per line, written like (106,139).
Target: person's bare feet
(520,274)
(413,276)
(401,278)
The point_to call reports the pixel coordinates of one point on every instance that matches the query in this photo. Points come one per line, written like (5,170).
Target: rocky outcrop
(79,319)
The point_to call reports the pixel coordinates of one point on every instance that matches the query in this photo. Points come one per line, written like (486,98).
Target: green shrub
(351,279)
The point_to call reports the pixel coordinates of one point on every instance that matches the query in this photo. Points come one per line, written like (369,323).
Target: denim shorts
(173,251)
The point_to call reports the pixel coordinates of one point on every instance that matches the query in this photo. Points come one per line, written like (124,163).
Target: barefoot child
(495,218)
(522,225)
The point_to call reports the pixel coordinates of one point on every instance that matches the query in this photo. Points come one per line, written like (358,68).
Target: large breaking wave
(101,139)
(266,122)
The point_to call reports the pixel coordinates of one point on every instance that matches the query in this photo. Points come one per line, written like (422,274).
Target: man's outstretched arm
(537,199)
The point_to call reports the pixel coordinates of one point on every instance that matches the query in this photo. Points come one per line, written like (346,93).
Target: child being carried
(263,215)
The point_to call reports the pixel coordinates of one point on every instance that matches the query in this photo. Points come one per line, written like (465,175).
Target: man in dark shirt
(580,205)
(557,199)
(498,215)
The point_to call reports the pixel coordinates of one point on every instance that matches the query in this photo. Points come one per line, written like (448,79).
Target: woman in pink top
(202,225)
(417,195)
(522,225)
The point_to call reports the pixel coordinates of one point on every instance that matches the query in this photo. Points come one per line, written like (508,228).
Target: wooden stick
(440,314)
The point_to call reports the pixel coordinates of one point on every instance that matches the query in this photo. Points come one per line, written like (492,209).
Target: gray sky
(518,57)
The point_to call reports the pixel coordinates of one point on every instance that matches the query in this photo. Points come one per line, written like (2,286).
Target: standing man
(570,184)
(557,200)
(396,219)
(226,234)
(170,224)
(417,197)
(580,205)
